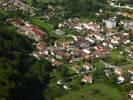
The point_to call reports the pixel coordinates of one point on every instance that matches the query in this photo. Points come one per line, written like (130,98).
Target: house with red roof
(130,71)
(87,79)
(18,23)
(29,30)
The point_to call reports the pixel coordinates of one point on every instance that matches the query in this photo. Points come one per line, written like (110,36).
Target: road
(118,6)
(107,65)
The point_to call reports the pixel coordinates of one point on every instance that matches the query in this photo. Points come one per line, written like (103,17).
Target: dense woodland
(22,77)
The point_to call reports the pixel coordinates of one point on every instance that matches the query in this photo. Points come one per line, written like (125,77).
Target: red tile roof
(38,32)
(56,63)
(130,32)
(19,22)
(87,78)
(130,70)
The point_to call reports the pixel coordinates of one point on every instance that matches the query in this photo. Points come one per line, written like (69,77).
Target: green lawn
(42,24)
(97,91)
(29,2)
(97,64)
(8,27)
(116,58)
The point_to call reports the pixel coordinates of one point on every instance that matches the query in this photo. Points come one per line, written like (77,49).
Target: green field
(97,64)
(97,91)
(8,27)
(42,24)
(115,58)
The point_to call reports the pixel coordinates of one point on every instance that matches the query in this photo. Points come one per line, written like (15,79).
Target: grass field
(42,24)
(8,27)
(97,64)
(116,58)
(97,91)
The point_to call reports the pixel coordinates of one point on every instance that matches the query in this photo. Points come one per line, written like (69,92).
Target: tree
(22,77)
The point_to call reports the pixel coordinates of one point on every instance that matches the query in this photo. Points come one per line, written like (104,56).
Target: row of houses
(32,31)
(80,48)
(76,24)
(13,5)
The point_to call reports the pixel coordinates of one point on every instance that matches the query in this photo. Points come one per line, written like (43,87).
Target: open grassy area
(97,91)
(8,27)
(116,58)
(97,64)
(42,24)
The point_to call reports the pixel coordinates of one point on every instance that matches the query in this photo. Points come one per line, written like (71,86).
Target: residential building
(87,79)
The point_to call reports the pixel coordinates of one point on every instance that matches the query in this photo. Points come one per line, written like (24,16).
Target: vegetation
(21,76)
(42,24)
(97,91)
(116,58)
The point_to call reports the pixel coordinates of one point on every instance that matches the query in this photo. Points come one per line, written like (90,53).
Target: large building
(111,23)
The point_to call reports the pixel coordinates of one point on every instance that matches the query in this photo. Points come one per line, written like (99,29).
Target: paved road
(118,6)
(107,65)
(26,5)
(80,74)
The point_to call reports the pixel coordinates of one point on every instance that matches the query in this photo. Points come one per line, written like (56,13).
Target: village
(91,43)
(82,48)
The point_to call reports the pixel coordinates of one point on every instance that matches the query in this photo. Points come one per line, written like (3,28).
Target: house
(39,55)
(131,79)
(114,41)
(29,30)
(130,71)
(41,45)
(87,66)
(110,44)
(59,32)
(77,68)
(18,23)
(90,39)
(36,55)
(59,82)
(87,79)
(76,52)
(67,56)
(110,23)
(59,54)
(55,63)
(118,71)
(100,52)
(63,44)
(128,24)
(130,94)
(97,36)
(85,56)
(66,87)
(120,79)
(130,32)
(86,51)
(105,44)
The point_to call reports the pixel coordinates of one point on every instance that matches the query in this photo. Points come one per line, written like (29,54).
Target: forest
(22,77)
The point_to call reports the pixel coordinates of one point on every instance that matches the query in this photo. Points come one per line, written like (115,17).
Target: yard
(97,91)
